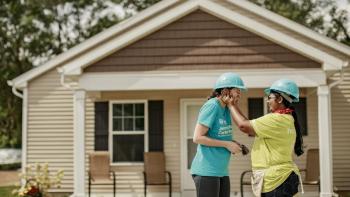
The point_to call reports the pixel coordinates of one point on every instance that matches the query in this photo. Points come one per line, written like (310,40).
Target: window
(128,130)
(301,110)
(255,108)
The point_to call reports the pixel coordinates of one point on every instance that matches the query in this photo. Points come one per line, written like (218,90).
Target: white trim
(92,42)
(271,34)
(79,142)
(184,102)
(77,52)
(113,81)
(332,62)
(325,140)
(111,132)
(289,24)
(24,128)
(129,37)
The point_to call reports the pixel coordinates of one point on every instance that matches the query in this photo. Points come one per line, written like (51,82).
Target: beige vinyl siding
(130,179)
(50,126)
(201,41)
(341,136)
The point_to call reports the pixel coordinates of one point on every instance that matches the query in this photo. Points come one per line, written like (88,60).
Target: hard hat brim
(268,91)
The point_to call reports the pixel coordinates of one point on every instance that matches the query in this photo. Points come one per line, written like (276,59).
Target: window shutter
(101,125)
(255,108)
(155,125)
(301,110)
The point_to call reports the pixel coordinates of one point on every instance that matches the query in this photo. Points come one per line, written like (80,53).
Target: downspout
(335,83)
(63,83)
(14,89)
(24,97)
(346,64)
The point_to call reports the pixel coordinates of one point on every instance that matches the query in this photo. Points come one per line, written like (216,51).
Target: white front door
(189,109)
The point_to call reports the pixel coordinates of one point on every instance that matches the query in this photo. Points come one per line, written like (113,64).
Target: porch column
(325,140)
(79,145)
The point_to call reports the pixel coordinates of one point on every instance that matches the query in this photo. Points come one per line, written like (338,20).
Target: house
(138,85)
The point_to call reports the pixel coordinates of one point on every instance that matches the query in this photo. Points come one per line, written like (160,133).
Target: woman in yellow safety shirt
(277,134)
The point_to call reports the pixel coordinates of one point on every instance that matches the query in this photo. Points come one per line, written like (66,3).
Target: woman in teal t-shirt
(213,134)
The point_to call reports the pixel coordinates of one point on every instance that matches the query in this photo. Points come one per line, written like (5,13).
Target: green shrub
(12,166)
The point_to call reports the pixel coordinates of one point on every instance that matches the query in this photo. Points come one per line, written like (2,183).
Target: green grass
(6,191)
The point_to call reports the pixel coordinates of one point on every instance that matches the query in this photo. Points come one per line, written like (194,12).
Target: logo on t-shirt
(224,130)
(222,122)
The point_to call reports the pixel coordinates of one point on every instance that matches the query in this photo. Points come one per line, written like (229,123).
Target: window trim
(111,132)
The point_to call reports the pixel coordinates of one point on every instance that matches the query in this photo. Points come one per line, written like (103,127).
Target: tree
(33,31)
(322,16)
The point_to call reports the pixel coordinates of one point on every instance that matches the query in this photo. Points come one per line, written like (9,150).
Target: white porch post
(325,140)
(79,145)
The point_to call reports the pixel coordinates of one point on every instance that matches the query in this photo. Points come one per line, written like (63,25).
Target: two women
(276,135)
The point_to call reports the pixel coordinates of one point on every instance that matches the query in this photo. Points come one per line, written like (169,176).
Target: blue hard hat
(286,86)
(229,80)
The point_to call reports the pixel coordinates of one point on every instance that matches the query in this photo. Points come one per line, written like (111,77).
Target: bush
(12,166)
(37,181)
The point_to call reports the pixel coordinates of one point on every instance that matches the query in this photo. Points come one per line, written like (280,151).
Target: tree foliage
(322,16)
(33,31)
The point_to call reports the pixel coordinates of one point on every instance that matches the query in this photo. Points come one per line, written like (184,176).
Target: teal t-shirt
(209,160)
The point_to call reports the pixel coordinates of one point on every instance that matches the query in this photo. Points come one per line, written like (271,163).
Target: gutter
(62,81)
(14,89)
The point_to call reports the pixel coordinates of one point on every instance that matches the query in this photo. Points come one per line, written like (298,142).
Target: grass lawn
(6,191)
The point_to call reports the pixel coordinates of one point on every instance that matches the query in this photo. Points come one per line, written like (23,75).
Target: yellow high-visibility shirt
(273,148)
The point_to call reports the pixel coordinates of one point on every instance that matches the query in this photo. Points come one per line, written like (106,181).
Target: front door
(189,109)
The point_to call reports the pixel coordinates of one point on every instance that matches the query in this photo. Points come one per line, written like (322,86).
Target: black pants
(210,186)
(287,189)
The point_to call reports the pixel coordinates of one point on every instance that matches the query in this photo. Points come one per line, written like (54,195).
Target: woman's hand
(233,147)
(231,97)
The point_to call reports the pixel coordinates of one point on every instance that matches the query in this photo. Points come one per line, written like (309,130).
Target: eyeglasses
(271,97)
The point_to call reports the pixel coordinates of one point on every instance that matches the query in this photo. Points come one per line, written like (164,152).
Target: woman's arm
(241,121)
(200,137)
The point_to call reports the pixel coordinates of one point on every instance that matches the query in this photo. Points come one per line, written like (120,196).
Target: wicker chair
(154,171)
(312,170)
(100,172)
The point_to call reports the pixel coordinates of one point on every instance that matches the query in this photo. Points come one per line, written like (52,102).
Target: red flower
(33,191)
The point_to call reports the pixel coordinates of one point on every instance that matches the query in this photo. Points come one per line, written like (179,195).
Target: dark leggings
(211,186)
(287,189)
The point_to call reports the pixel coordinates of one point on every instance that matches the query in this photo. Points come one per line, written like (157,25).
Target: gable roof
(168,11)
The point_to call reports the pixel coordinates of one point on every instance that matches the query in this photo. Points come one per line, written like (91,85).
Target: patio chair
(154,171)
(100,171)
(244,182)
(312,171)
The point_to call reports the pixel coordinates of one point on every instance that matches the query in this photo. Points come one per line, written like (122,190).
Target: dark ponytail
(298,146)
(215,93)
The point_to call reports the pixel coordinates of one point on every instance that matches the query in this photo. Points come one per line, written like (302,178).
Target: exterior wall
(50,126)
(340,142)
(179,46)
(201,41)
(130,179)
